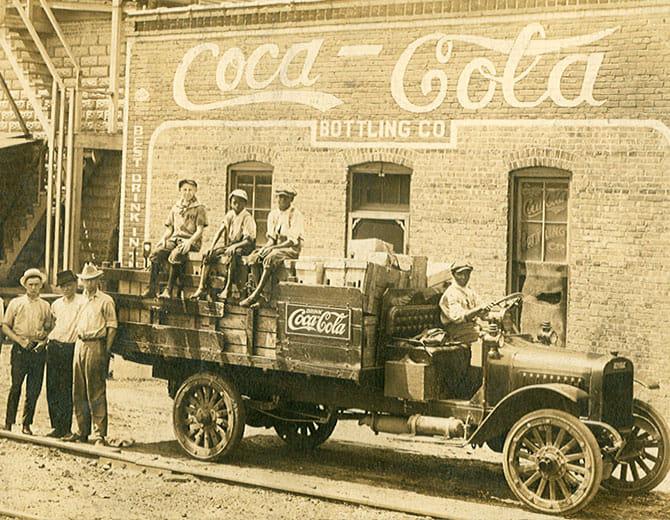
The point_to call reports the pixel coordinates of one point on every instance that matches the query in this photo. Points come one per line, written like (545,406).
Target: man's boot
(150,292)
(172,278)
(251,299)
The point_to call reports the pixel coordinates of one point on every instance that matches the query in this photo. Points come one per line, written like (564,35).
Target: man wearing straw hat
(96,330)
(239,233)
(26,323)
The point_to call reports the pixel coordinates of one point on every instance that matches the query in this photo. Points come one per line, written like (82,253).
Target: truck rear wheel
(552,462)
(304,430)
(208,416)
(644,460)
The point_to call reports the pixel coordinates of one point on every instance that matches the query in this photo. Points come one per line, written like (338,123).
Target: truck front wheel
(552,462)
(644,460)
(208,416)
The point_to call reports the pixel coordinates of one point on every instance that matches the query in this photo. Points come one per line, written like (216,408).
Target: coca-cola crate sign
(318,321)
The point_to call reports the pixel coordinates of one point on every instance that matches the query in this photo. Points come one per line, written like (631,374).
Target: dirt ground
(52,484)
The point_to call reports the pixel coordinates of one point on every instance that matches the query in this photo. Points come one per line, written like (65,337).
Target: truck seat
(405,321)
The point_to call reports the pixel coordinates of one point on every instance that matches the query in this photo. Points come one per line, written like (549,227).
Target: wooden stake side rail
(227,334)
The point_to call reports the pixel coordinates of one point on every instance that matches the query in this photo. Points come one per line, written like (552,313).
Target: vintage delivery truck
(342,347)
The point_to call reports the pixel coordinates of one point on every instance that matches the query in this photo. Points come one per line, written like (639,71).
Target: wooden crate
(321,330)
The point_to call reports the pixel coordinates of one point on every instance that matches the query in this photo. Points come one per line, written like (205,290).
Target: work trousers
(89,390)
(29,366)
(60,357)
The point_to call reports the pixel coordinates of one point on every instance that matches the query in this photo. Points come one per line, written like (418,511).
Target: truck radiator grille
(617,407)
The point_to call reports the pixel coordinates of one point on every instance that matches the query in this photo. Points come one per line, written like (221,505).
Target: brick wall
(614,145)
(89,40)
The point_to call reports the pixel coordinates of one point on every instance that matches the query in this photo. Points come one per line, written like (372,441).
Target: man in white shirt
(96,330)
(285,235)
(460,305)
(238,230)
(26,324)
(60,354)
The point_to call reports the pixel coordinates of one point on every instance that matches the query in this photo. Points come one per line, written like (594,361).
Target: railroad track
(284,482)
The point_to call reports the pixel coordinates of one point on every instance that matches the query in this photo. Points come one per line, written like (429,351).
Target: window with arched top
(379,203)
(255,178)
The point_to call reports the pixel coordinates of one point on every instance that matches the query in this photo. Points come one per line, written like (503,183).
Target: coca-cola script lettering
(318,321)
(268,73)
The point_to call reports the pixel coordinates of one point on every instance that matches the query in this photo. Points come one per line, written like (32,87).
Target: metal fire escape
(56,104)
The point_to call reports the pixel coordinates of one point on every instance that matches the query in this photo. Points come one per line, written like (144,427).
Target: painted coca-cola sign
(319,322)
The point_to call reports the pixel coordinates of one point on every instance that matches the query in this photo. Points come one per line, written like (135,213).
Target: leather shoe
(55,433)
(100,442)
(7,427)
(75,437)
(26,430)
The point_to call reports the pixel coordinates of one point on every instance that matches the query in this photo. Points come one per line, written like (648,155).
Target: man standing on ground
(26,323)
(96,330)
(183,233)
(60,354)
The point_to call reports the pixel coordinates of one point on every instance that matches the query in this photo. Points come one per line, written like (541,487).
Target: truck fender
(525,400)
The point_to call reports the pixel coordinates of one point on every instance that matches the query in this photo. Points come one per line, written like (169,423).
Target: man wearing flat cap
(460,305)
(285,240)
(183,233)
(238,230)
(60,353)
(26,323)
(96,330)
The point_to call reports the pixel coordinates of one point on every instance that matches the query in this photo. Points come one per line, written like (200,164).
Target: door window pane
(555,243)
(531,242)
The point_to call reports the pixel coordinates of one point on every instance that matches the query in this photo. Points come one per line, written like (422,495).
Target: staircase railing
(62,124)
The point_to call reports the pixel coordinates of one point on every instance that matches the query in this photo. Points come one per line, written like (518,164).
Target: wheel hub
(204,416)
(551,462)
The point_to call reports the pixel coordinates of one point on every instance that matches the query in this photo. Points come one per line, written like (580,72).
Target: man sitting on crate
(239,232)
(285,238)
(461,305)
(183,233)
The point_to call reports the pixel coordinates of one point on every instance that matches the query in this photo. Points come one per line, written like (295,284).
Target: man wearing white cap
(238,230)
(26,323)
(96,330)
(285,235)
(460,305)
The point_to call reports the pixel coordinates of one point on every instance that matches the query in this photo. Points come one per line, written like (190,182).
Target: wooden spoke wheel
(208,416)
(303,431)
(552,462)
(643,462)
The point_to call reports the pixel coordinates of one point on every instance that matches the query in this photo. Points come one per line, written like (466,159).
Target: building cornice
(265,13)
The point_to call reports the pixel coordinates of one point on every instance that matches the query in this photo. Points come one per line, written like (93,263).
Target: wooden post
(114,59)
(51,276)
(59,181)
(67,239)
(78,184)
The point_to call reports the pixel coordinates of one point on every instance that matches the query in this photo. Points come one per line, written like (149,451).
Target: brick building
(531,140)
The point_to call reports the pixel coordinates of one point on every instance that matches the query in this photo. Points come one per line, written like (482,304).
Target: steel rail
(19,514)
(313,487)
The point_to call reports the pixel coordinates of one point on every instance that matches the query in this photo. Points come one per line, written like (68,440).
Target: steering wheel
(507,302)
